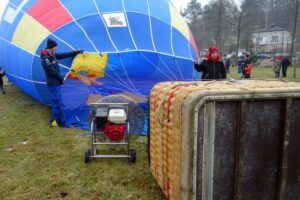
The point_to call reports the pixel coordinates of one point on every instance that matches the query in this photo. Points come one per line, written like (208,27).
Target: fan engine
(112,121)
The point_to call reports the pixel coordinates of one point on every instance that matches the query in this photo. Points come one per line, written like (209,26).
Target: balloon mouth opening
(88,67)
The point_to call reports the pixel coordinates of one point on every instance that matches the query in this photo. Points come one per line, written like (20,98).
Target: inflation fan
(115,121)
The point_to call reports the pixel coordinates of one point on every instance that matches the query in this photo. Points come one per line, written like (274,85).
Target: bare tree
(239,30)
(219,32)
(193,14)
(239,15)
(294,35)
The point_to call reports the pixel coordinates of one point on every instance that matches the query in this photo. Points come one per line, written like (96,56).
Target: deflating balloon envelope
(130,46)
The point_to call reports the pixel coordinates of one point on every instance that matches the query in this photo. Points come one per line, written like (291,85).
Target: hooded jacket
(51,66)
(211,70)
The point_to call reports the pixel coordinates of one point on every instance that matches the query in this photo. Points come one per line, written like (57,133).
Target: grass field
(38,162)
(51,165)
(262,73)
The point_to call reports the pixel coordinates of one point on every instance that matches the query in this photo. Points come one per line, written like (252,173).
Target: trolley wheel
(87,156)
(132,154)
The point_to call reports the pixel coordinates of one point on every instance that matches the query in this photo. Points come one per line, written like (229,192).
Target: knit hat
(51,43)
(211,51)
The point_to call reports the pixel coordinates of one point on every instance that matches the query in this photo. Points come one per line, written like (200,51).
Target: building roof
(271,29)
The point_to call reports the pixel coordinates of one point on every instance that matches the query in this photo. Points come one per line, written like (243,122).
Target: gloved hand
(195,63)
(80,51)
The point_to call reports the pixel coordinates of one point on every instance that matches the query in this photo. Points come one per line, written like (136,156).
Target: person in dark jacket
(212,68)
(247,66)
(285,63)
(2,74)
(49,59)
(228,64)
(241,64)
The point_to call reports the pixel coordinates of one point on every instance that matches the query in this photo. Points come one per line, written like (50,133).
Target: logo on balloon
(115,20)
(12,12)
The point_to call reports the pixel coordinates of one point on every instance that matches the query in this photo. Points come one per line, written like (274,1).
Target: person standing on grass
(277,66)
(213,67)
(285,63)
(49,59)
(2,74)
(247,66)
(228,64)
(241,64)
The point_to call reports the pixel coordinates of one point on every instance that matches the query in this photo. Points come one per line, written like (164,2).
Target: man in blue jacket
(285,64)
(49,58)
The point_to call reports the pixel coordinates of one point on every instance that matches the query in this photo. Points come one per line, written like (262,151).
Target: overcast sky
(178,3)
(182,3)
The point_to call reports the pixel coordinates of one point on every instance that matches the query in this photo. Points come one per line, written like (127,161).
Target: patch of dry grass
(51,165)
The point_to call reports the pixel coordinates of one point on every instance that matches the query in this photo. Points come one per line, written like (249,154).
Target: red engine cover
(114,132)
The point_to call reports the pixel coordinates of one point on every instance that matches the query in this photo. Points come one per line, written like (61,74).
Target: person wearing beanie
(213,67)
(49,59)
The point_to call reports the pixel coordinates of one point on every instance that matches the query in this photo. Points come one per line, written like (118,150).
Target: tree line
(229,26)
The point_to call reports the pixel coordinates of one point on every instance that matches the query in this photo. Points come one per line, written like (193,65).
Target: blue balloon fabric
(137,43)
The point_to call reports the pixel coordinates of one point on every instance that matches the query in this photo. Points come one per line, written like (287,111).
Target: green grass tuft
(266,73)
(51,165)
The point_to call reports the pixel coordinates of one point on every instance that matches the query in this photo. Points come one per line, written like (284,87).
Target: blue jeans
(284,70)
(57,105)
(240,70)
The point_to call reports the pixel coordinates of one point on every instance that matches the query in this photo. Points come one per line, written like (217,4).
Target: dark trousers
(247,76)
(57,105)
(284,70)
(228,69)
(240,69)
(1,85)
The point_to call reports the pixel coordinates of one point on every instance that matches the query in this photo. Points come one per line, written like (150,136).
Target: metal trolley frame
(95,151)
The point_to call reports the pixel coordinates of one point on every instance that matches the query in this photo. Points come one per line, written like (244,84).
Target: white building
(273,39)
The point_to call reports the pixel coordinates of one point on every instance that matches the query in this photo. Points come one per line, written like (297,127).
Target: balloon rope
(156,67)
(158,55)
(150,24)
(129,27)
(84,32)
(101,18)
(22,11)
(122,63)
(178,68)
(121,81)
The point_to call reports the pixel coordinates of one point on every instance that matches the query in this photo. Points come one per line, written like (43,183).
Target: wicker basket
(175,128)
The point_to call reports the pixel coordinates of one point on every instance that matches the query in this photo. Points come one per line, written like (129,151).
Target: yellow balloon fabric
(91,63)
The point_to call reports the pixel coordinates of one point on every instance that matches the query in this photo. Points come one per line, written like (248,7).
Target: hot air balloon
(129,46)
